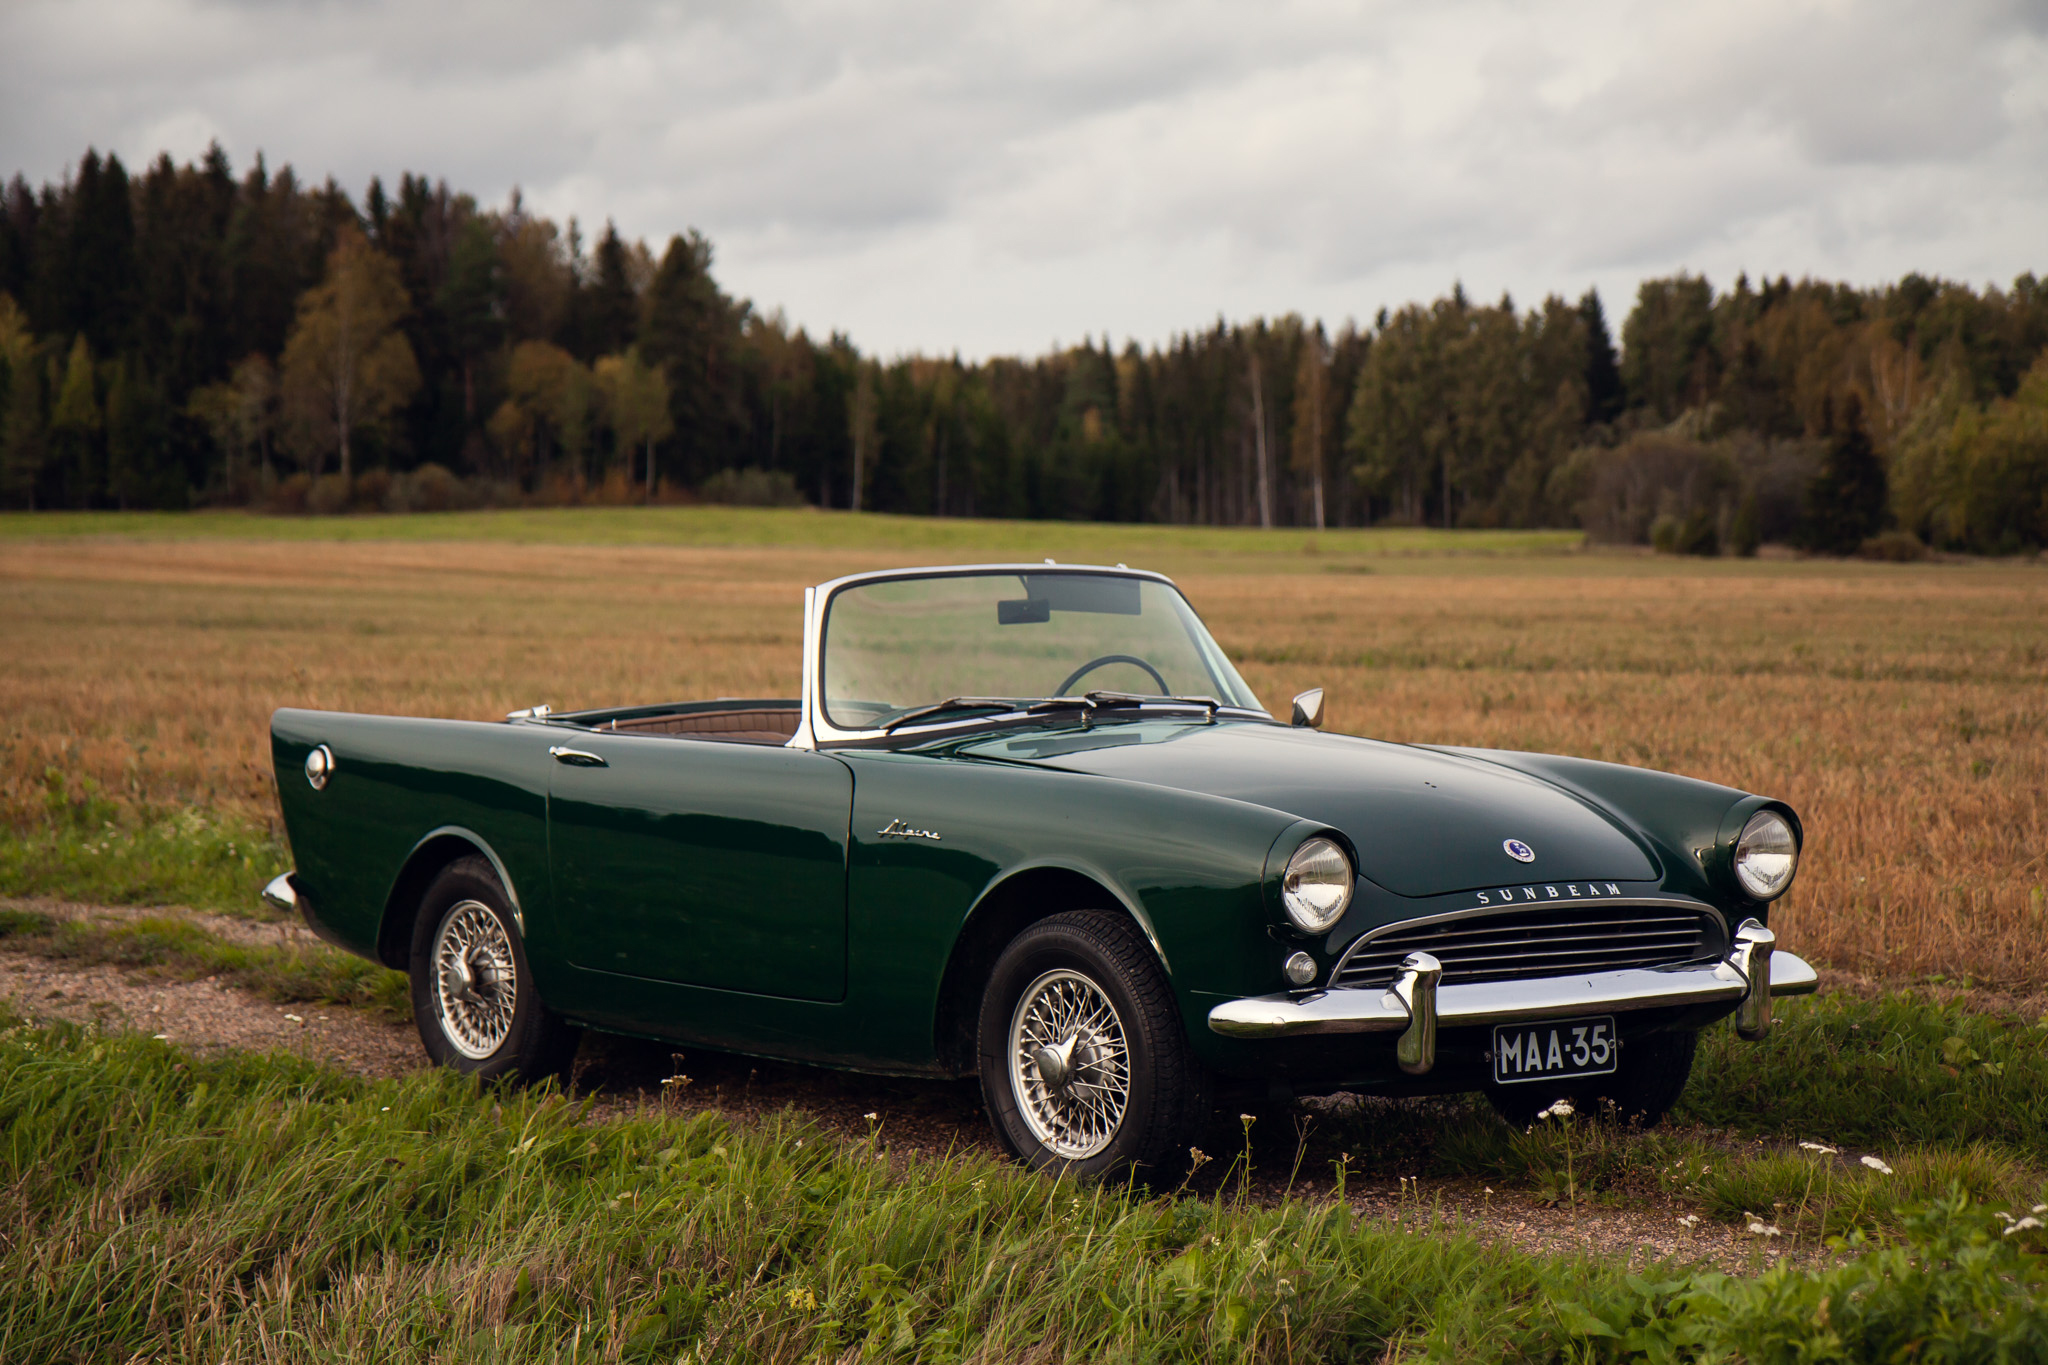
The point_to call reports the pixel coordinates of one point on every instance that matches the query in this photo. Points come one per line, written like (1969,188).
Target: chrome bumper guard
(1417,1004)
(281,895)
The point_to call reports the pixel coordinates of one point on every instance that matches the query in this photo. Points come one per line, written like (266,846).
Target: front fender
(1189,869)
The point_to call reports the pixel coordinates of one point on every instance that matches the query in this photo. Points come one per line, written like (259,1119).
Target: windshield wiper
(1087,705)
(1023,706)
(954,704)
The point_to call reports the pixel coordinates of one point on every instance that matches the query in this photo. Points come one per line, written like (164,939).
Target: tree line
(189,336)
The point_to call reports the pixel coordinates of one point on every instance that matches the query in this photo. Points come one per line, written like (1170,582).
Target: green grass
(88,847)
(161,1206)
(799,528)
(312,973)
(1901,1069)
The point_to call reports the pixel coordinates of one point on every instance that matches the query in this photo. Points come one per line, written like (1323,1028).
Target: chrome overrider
(281,895)
(1417,1004)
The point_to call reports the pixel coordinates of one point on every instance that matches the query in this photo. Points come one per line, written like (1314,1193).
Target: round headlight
(319,766)
(1316,886)
(1766,855)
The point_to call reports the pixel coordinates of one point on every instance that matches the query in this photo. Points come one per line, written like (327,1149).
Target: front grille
(1538,941)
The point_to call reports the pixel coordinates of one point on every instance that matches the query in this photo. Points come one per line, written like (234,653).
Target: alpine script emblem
(896,829)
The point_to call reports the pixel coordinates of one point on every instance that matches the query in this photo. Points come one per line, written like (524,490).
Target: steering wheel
(1085,669)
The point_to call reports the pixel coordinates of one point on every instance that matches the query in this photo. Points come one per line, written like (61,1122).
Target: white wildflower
(1818,1147)
(871,1116)
(295,1018)
(1561,1109)
(1689,1221)
(1763,1229)
(1877,1165)
(162,1037)
(2022,1226)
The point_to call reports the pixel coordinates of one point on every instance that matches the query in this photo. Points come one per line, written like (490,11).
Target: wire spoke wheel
(1069,1063)
(476,979)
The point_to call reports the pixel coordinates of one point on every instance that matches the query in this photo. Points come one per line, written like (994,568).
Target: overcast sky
(998,178)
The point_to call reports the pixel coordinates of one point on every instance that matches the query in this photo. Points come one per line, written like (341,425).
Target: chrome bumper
(1417,1005)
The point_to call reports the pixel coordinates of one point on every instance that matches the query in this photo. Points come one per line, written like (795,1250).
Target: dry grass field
(1902,708)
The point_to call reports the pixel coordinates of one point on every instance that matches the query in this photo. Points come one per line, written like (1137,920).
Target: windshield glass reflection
(893,646)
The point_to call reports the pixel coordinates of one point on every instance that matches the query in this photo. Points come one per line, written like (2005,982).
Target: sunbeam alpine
(1027,823)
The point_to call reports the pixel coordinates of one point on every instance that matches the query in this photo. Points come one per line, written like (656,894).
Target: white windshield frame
(815,729)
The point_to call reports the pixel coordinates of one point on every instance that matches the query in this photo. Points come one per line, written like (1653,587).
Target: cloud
(995,177)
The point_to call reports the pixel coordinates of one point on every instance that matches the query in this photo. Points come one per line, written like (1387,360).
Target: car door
(701,862)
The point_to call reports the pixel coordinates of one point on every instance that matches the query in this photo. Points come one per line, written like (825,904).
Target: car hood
(1424,822)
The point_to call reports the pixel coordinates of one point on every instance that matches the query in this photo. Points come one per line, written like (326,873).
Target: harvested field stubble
(1902,709)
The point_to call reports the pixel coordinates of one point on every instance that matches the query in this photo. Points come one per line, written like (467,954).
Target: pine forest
(188,337)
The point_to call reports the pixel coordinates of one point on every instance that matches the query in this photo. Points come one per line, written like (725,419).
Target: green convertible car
(1027,823)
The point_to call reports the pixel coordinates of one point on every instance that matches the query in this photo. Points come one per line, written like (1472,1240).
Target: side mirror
(1308,709)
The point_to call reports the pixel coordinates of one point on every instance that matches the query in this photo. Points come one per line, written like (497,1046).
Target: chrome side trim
(281,895)
(1502,1002)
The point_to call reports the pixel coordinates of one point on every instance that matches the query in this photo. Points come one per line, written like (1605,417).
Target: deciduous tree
(347,365)
(636,402)
(75,425)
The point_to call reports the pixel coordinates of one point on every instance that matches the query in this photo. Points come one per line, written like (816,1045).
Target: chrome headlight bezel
(1765,835)
(1313,871)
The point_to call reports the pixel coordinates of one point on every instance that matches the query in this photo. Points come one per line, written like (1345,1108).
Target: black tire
(1166,1091)
(1649,1079)
(536,1043)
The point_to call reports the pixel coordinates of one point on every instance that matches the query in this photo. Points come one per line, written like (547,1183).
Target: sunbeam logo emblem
(1519,851)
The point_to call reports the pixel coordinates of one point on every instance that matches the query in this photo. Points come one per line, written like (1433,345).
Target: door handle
(575,758)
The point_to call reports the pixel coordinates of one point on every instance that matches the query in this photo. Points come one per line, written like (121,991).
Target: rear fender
(432,853)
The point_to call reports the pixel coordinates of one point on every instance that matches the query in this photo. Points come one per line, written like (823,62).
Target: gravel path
(919,1120)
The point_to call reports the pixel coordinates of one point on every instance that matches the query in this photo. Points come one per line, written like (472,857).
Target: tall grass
(163,1207)
(242,1208)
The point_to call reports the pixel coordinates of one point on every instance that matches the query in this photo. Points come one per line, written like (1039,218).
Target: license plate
(1549,1051)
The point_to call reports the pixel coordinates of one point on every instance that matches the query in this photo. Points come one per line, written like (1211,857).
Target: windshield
(902,643)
